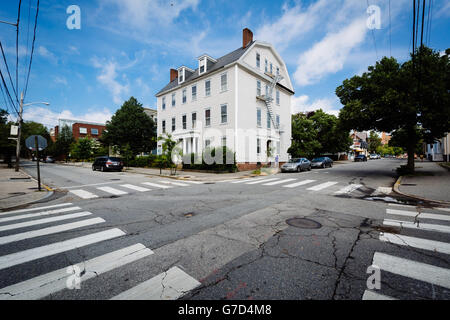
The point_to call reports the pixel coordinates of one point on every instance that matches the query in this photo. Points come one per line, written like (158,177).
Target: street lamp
(20,126)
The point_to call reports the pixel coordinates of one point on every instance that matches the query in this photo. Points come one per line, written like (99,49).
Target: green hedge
(217,167)
(141,162)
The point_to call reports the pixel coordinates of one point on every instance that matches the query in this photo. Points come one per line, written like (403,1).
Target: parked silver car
(296,165)
(322,162)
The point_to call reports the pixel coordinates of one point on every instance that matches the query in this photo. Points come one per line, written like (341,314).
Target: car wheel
(93,168)
(309,168)
(102,169)
(299,169)
(323,166)
(331,165)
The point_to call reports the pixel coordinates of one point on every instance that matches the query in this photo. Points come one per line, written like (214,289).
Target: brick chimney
(247,37)
(173,74)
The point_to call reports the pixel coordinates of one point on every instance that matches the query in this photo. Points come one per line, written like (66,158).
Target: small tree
(374,142)
(82,149)
(169,150)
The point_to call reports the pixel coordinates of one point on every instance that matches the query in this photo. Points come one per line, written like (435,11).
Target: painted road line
(58,247)
(45,220)
(92,185)
(278,182)
(301,183)
(49,230)
(156,185)
(418,215)
(37,209)
(417,225)
(322,186)
(193,182)
(83,194)
(133,187)
(262,181)
(44,285)
(168,285)
(412,269)
(113,191)
(174,183)
(442,209)
(39,214)
(435,246)
(349,189)
(371,295)
(402,205)
(247,180)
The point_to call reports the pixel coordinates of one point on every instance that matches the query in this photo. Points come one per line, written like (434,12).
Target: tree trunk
(410,165)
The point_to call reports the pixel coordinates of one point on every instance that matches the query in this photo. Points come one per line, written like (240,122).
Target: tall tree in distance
(410,100)
(374,142)
(130,128)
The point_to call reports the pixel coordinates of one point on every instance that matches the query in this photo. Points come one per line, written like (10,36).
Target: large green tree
(130,127)
(374,141)
(317,133)
(411,100)
(63,142)
(30,128)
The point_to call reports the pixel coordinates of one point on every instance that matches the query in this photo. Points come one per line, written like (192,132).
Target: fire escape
(268,98)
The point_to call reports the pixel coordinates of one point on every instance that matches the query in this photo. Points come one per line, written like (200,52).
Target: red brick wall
(247,166)
(76,130)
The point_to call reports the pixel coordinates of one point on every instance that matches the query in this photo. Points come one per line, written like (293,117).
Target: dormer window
(204,63)
(202,66)
(181,75)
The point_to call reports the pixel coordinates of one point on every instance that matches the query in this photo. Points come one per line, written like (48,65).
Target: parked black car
(49,159)
(321,162)
(106,163)
(360,157)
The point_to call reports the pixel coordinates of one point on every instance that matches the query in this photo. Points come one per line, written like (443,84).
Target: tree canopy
(411,100)
(130,127)
(316,133)
(374,141)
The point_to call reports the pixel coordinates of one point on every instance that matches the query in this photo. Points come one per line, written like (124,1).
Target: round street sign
(31,143)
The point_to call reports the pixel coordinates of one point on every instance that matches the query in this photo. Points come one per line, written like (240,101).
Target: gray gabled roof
(221,62)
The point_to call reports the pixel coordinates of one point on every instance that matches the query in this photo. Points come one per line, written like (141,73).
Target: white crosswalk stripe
(322,186)
(49,230)
(37,209)
(45,220)
(418,215)
(113,191)
(413,269)
(193,182)
(349,189)
(417,225)
(58,247)
(297,184)
(44,285)
(133,187)
(436,246)
(179,184)
(371,295)
(278,182)
(151,184)
(168,285)
(83,194)
(262,181)
(247,180)
(39,214)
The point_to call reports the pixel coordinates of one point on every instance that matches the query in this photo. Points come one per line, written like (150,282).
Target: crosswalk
(124,189)
(418,230)
(170,284)
(309,184)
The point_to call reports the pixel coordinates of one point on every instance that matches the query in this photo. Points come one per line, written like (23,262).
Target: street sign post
(36,143)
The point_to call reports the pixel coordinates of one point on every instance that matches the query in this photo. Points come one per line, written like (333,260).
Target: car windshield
(294,160)
(115,159)
(318,159)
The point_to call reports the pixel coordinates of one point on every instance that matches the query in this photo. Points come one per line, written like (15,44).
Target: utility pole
(19,133)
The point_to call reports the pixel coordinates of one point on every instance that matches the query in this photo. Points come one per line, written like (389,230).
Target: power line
(7,92)
(390,34)
(9,74)
(430,20)
(17,46)
(32,49)
(28,38)
(373,36)
(423,20)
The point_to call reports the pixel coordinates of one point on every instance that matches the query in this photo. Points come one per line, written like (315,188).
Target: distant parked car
(296,164)
(49,159)
(360,157)
(107,163)
(374,156)
(321,162)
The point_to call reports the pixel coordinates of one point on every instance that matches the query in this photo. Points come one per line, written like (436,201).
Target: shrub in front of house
(212,159)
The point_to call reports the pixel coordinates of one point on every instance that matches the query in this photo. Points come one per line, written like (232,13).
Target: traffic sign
(30,143)
(14,130)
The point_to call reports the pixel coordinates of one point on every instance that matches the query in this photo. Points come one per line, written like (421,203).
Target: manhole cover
(303,223)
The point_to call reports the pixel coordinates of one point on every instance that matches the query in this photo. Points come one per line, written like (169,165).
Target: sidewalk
(17,188)
(431,182)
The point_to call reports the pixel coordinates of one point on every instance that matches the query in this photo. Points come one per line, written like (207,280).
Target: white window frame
(184,96)
(181,75)
(266,65)
(222,115)
(206,119)
(278,97)
(258,117)
(224,141)
(223,87)
(92,131)
(258,88)
(184,121)
(194,122)
(207,143)
(163,103)
(174,101)
(174,124)
(278,120)
(202,63)
(258,146)
(194,96)
(258,60)
(206,92)
(163,126)
(83,130)
(269,124)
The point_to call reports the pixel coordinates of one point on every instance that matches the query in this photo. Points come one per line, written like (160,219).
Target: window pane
(194,120)
(258,88)
(258,60)
(268,120)
(184,96)
(223,82)
(224,113)
(207,88)
(258,117)
(208,117)
(173,124)
(173,100)
(194,93)
(164,103)
(184,121)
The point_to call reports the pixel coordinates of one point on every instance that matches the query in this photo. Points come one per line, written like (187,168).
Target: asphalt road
(137,236)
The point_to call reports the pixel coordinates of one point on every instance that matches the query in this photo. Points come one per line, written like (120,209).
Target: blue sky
(126,47)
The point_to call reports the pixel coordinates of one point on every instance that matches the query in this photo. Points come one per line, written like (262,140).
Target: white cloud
(108,77)
(330,54)
(45,53)
(302,104)
(50,118)
(60,80)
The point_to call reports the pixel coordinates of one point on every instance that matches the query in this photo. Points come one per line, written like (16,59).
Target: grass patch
(445,165)
(257,171)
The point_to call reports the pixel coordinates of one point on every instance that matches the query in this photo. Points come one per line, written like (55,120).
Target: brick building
(80,129)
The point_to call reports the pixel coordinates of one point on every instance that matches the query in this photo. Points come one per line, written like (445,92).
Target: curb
(396,190)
